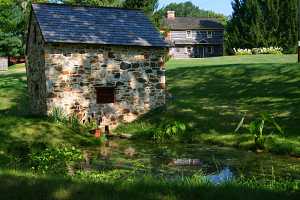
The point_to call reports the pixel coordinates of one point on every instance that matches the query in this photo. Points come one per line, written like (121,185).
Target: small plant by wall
(57,115)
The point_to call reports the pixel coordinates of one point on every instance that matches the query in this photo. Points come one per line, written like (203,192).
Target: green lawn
(213,94)
(210,94)
(18,128)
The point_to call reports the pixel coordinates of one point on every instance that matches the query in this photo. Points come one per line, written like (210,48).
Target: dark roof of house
(91,25)
(191,23)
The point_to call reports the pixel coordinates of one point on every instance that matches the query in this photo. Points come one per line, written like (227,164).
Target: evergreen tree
(288,31)
(259,23)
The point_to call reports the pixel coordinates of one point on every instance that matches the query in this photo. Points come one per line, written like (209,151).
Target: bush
(55,160)
(270,50)
(256,51)
(242,52)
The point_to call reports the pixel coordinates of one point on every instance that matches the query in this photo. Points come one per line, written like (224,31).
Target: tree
(260,23)
(188,9)
(149,6)
(11,28)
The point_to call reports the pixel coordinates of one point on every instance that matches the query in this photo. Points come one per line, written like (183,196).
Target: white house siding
(3,63)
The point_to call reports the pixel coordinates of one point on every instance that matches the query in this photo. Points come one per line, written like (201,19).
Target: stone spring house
(193,37)
(103,64)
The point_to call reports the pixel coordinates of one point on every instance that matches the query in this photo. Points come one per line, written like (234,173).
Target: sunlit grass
(215,93)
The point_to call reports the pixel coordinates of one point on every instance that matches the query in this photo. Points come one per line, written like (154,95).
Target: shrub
(55,160)
(242,52)
(270,50)
(256,51)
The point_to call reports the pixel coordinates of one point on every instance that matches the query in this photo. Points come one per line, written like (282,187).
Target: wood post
(299,52)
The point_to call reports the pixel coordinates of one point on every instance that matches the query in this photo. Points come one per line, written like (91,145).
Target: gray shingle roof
(191,23)
(90,25)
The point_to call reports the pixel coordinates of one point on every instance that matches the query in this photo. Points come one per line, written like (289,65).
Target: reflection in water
(187,159)
(225,175)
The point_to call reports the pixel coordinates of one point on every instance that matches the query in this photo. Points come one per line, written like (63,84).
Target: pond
(170,160)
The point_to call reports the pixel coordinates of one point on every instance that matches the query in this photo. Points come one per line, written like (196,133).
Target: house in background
(192,37)
(3,63)
(102,64)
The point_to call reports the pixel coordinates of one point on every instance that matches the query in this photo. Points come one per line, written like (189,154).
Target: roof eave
(106,44)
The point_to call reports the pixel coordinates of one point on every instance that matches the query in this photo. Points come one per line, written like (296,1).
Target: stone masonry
(66,76)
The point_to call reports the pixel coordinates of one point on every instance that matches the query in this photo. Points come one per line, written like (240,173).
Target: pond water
(187,159)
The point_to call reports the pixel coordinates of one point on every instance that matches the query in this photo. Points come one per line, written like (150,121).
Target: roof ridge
(85,6)
(195,18)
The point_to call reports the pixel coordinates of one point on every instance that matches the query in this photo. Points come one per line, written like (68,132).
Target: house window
(105,95)
(209,34)
(188,34)
(210,50)
(189,50)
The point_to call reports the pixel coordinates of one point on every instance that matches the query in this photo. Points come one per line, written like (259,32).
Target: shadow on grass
(19,130)
(214,98)
(29,187)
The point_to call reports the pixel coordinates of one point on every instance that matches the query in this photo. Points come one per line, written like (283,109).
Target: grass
(30,186)
(209,94)
(18,128)
(213,94)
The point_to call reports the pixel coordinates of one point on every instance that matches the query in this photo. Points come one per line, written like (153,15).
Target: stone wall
(74,71)
(35,69)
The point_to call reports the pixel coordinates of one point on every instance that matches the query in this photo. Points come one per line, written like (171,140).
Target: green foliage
(256,51)
(257,127)
(11,28)
(188,9)
(170,131)
(55,160)
(57,115)
(149,6)
(256,23)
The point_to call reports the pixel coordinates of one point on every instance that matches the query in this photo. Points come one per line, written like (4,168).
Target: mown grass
(18,129)
(199,98)
(213,95)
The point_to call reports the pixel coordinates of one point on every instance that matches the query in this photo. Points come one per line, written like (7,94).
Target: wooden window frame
(106,98)
(189,34)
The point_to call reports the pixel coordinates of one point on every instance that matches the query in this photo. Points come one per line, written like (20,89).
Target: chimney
(171,14)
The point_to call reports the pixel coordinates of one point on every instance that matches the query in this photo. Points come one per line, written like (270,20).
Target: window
(105,95)
(210,50)
(209,34)
(188,34)
(189,50)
